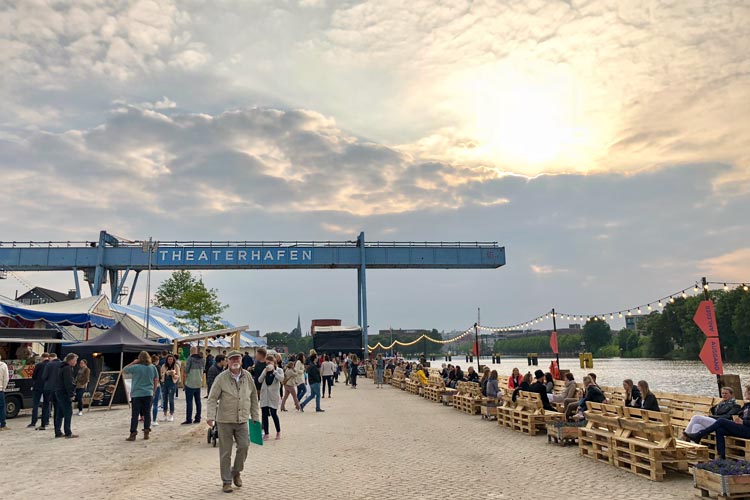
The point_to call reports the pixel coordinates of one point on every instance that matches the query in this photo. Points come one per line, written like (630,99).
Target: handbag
(256,432)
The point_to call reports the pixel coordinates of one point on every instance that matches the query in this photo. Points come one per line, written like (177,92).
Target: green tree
(596,334)
(199,307)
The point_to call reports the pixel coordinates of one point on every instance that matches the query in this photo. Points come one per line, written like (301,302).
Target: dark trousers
(327,381)
(2,409)
(140,407)
(314,394)
(192,395)
(63,413)
(723,428)
(49,400)
(79,397)
(267,410)
(353,377)
(35,406)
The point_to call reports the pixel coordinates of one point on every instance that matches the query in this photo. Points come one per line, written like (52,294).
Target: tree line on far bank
(669,334)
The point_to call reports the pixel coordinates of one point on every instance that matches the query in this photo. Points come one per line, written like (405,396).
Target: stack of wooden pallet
(468,398)
(435,389)
(529,415)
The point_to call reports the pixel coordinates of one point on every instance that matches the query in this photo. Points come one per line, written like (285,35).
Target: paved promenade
(369,444)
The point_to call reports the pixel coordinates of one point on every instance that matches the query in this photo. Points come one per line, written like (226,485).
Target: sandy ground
(369,444)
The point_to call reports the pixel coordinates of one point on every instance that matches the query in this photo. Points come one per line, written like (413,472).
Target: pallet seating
(413,384)
(398,379)
(529,415)
(645,445)
(387,376)
(468,397)
(488,407)
(435,389)
(505,412)
(595,440)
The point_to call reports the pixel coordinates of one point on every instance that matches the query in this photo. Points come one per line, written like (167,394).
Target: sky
(605,144)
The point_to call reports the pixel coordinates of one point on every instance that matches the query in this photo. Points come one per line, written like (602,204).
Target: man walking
(234,390)
(82,383)
(64,394)
(143,386)
(38,388)
(4,379)
(313,378)
(49,378)
(193,382)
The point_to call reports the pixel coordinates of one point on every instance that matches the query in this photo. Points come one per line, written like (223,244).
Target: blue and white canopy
(91,311)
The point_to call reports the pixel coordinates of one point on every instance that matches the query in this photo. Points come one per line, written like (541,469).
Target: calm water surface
(687,377)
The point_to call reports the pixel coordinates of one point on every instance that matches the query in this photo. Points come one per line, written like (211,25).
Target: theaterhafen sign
(234,255)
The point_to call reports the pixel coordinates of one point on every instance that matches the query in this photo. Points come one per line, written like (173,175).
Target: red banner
(553,342)
(711,356)
(475,349)
(554,370)
(705,318)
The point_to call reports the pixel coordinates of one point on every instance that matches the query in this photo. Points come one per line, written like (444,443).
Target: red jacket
(512,384)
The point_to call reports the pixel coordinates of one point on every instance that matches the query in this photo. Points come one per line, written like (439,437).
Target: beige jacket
(299,368)
(175,375)
(233,402)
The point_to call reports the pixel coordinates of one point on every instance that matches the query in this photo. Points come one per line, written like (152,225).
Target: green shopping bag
(256,432)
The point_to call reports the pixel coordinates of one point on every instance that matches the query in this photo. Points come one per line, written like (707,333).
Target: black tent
(115,348)
(117,339)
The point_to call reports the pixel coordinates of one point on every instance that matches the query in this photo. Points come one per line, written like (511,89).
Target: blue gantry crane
(112,259)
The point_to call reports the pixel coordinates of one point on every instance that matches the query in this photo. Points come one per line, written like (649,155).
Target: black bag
(270,377)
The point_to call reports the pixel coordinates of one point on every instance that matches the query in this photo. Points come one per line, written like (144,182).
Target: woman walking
(326,371)
(299,369)
(270,382)
(289,386)
(380,369)
(157,393)
(170,374)
(354,364)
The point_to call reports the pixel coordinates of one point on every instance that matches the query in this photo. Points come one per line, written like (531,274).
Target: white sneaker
(171,418)
(155,423)
(80,413)
(163,419)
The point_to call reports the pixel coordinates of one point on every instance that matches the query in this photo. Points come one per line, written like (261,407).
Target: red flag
(553,342)
(705,318)
(554,370)
(711,356)
(475,349)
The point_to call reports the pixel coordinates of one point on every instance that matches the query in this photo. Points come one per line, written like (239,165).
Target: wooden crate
(710,484)
(529,415)
(562,435)
(448,396)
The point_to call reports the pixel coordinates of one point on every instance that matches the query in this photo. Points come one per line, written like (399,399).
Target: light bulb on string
(639,310)
(661,304)
(649,307)
(629,313)
(619,314)
(744,287)
(611,316)
(726,288)
(684,295)
(705,287)
(671,300)
(694,289)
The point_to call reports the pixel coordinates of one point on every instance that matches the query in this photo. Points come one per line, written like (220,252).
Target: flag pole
(706,297)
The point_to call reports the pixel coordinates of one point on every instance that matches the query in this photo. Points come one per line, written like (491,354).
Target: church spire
(299,325)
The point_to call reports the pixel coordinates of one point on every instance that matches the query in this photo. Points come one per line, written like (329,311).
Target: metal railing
(266,244)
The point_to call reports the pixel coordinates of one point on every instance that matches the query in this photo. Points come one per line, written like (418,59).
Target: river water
(686,377)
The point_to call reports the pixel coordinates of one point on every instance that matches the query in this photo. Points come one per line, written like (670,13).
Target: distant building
(631,322)
(39,295)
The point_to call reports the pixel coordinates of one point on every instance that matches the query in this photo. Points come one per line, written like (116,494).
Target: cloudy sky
(605,144)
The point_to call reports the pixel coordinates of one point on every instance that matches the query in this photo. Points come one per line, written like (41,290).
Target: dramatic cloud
(604,143)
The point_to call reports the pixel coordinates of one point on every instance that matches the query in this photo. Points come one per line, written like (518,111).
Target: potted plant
(727,478)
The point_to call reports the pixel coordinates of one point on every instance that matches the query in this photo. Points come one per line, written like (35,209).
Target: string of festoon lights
(420,338)
(646,307)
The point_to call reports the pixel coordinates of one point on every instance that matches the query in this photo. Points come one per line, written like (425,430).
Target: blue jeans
(314,393)
(725,427)
(155,404)
(79,397)
(35,406)
(193,395)
(301,390)
(2,408)
(168,395)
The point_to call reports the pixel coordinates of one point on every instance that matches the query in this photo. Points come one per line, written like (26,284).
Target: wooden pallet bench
(645,445)
(435,389)
(398,379)
(488,408)
(468,398)
(413,385)
(529,415)
(595,439)
(505,412)
(387,376)
(563,433)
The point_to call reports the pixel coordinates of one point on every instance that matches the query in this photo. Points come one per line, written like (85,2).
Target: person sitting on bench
(726,409)
(525,384)
(515,379)
(540,388)
(492,389)
(739,426)
(648,400)
(569,392)
(472,375)
(591,393)
(632,394)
